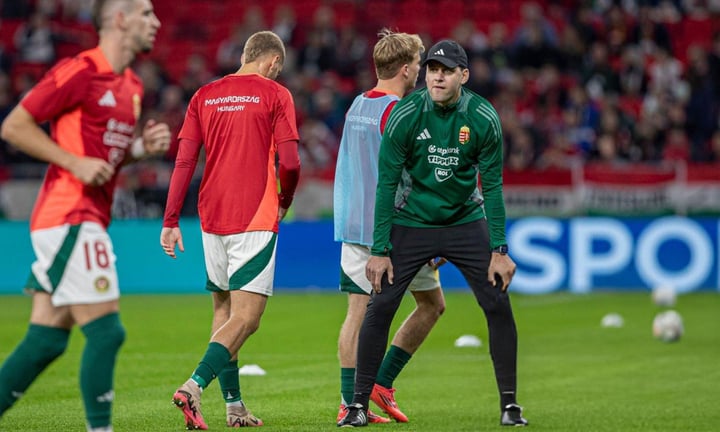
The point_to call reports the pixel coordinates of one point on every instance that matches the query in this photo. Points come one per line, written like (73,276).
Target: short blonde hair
(263,43)
(394,50)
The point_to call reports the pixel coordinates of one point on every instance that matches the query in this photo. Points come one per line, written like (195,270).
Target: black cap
(449,53)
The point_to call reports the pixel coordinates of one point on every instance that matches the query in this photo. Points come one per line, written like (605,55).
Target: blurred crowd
(619,81)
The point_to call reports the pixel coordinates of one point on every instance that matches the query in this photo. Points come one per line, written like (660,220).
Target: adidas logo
(424,135)
(363,417)
(107,100)
(439,52)
(106,397)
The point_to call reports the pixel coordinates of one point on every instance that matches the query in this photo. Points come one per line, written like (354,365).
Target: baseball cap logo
(449,53)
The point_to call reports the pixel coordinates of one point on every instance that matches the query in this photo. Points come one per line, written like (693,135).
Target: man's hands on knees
(504,267)
(374,270)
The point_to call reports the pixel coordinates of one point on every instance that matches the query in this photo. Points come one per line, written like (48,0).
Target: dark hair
(101,7)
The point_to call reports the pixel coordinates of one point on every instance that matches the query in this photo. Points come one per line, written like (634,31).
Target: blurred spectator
(649,34)
(535,39)
(230,50)
(714,147)
(665,72)
(677,146)
(467,34)
(498,53)
(77,11)
(633,81)
(598,76)
(285,24)
(606,150)
(171,110)
(520,150)
(702,107)
(714,63)
(616,32)
(154,79)
(481,79)
(35,40)
(318,53)
(318,148)
(351,52)
(534,26)
(197,73)
(571,50)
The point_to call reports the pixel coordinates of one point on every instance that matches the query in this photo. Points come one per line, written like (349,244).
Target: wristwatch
(502,250)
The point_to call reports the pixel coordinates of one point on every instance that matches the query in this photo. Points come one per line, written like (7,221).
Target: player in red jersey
(243,121)
(92,102)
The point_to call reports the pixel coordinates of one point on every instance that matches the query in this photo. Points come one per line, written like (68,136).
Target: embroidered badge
(464,136)
(102,284)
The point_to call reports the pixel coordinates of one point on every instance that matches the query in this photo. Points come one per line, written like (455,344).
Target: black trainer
(512,416)
(356,416)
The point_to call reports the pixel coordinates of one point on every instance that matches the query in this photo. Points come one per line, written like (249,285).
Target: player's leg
(354,282)
(90,287)
(188,396)
(467,247)
(347,344)
(246,311)
(104,335)
(45,340)
(410,252)
(228,377)
(244,264)
(430,304)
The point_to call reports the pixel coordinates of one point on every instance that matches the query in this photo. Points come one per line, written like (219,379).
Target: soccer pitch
(574,375)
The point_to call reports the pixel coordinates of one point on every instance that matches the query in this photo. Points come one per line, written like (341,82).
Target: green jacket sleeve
(391,160)
(490,163)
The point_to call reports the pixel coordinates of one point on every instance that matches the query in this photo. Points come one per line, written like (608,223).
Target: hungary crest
(464,135)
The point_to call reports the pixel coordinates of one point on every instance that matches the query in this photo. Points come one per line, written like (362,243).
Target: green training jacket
(429,161)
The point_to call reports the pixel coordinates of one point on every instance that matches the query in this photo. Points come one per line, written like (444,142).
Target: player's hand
(504,267)
(91,171)
(156,137)
(375,269)
(169,237)
(436,263)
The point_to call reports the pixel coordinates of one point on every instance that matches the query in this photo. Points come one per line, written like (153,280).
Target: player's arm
(60,90)
(391,159)
(490,162)
(285,133)
(289,174)
(394,150)
(187,158)
(22,131)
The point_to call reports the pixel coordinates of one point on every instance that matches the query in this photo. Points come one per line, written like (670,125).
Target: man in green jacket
(436,143)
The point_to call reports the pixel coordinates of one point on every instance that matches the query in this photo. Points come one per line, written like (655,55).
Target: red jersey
(241,120)
(92,112)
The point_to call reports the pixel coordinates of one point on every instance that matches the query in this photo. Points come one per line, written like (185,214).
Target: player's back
(241,120)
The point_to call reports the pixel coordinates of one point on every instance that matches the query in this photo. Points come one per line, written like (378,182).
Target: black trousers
(468,248)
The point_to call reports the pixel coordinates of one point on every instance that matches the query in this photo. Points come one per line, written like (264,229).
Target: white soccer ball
(664,296)
(668,326)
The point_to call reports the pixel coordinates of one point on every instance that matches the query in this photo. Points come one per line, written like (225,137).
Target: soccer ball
(668,326)
(664,296)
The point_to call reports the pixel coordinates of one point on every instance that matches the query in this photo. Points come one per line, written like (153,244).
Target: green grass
(573,374)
